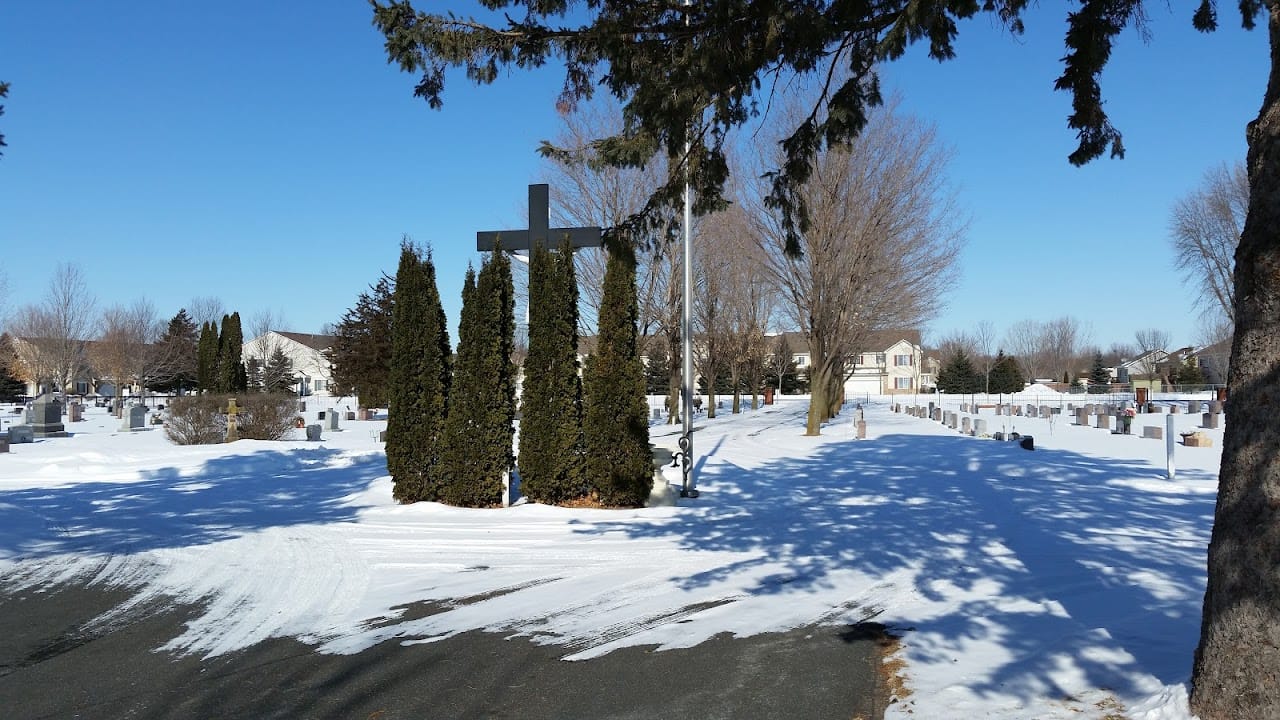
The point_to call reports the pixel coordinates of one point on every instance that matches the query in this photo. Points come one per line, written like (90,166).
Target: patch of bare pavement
(54,664)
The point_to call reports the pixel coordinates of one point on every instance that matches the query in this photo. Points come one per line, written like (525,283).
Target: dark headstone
(313,432)
(46,413)
(21,434)
(1027,442)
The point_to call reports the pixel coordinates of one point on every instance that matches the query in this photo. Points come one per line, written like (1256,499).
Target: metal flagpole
(688,488)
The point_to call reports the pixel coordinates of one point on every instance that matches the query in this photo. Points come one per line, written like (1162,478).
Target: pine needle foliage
(1006,376)
(361,351)
(550,457)
(1099,378)
(958,376)
(615,424)
(419,388)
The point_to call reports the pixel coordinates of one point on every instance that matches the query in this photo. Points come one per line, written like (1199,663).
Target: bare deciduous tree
(1205,230)
(879,249)
(53,333)
(584,191)
(125,352)
(1062,340)
(206,309)
(1150,340)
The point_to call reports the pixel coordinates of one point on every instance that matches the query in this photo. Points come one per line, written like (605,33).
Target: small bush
(266,416)
(196,420)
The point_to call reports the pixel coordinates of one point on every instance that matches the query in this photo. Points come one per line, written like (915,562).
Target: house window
(321,385)
(902,383)
(802,360)
(903,360)
(82,388)
(879,358)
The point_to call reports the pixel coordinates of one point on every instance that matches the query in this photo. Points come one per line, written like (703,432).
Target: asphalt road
(53,664)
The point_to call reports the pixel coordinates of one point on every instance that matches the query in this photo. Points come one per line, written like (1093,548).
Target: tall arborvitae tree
(419,380)
(361,350)
(1006,376)
(551,404)
(958,376)
(615,426)
(477,447)
(207,358)
(1099,378)
(232,376)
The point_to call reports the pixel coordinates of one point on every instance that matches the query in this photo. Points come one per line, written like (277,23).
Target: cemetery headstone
(964,425)
(1082,416)
(313,432)
(1193,406)
(4,444)
(134,417)
(75,412)
(979,427)
(862,429)
(1209,421)
(1215,407)
(21,434)
(47,417)
(331,421)
(1152,432)
(1104,422)
(1044,412)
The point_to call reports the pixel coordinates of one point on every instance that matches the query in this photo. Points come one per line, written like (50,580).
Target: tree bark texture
(1237,664)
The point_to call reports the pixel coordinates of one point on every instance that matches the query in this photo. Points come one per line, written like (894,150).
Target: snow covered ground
(1063,582)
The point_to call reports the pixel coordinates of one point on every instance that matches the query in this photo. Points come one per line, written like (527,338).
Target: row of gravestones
(959,422)
(1104,413)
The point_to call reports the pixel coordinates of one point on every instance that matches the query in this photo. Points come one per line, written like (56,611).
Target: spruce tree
(1006,376)
(550,458)
(958,377)
(207,358)
(657,370)
(277,374)
(361,350)
(176,354)
(419,380)
(1099,378)
(615,424)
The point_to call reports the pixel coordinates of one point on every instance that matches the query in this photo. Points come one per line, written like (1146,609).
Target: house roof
(315,342)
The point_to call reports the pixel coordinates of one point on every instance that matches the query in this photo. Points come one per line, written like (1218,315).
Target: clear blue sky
(266,154)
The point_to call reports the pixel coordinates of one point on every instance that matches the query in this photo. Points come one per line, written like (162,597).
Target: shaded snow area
(1063,582)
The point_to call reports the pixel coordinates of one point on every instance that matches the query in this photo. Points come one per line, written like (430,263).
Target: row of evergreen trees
(958,376)
(451,421)
(219,364)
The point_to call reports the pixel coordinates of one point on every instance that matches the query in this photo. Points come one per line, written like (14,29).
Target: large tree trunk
(819,395)
(1237,665)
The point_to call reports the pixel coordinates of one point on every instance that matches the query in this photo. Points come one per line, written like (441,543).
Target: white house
(892,363)
(306,352)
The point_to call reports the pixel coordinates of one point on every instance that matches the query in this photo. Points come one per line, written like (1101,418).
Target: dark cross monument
(539,232)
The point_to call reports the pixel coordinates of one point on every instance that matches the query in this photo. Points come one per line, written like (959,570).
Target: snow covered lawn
(1063,582)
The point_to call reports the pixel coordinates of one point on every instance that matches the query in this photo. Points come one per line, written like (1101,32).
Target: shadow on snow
(1077,552)
(225,498)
